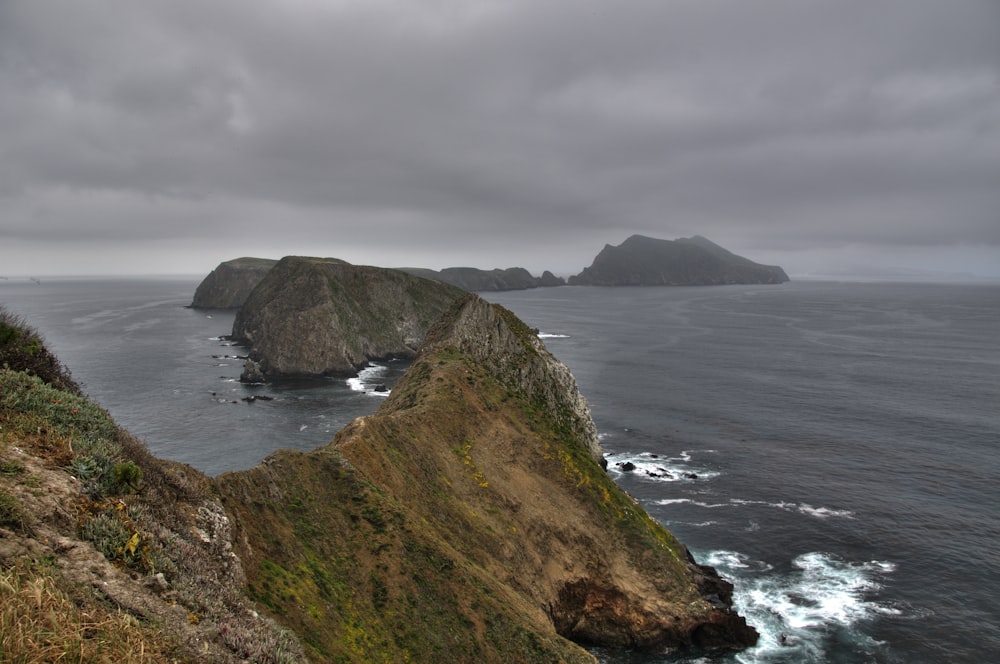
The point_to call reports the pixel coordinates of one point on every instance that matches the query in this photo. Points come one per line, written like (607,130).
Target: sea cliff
(324,316)
(229,285)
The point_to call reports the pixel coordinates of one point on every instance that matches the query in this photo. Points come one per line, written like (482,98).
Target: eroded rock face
(323,316)
(497,340)
(230,284)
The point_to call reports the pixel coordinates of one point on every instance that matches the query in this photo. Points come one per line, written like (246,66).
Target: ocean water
(832,448)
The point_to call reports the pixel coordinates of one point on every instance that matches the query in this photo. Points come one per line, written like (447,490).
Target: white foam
(795,612)
(801,508)
(363,381)
(547,335)
(654,467)
(824,512)
(689,501)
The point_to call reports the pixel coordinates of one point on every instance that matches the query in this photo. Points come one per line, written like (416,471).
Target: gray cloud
(497,133)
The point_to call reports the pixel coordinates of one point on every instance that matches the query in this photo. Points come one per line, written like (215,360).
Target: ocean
(831,448)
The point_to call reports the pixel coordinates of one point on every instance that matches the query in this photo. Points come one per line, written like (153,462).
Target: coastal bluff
(470,515)
(468,518)
(694,261)
(229,285)
(324,316)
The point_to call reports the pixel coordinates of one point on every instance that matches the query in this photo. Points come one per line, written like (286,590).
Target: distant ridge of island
(694,261)
(638,261)
(475,280)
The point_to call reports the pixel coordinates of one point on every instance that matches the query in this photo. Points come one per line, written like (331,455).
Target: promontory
(469,519)
(230,284)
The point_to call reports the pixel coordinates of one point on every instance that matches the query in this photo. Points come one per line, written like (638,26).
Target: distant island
(694,261)
(475,280)
(638,261)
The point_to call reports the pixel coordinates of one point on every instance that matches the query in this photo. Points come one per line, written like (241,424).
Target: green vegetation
(446,526)
(142,514)
(11,513)
(22,349)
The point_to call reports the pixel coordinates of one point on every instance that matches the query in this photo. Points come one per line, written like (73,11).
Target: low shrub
(22,349)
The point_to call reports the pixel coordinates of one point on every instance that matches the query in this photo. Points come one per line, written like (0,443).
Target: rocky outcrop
(548,280)
(324,316)
(500,343)
(695,261)
(230,284)
(475,280)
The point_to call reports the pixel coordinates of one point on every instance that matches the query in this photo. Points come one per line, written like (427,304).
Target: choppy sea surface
(832,448)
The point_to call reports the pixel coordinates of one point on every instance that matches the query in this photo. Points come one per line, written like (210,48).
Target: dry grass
(43,620)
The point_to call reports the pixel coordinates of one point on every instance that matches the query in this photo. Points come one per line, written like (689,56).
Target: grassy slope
(106,553)
(450,522)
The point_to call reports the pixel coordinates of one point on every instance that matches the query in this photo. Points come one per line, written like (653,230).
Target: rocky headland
(229,285)
(324,316)
(469,519)
(694,261)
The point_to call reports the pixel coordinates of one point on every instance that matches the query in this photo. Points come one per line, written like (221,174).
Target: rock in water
(230,284)
(324,316)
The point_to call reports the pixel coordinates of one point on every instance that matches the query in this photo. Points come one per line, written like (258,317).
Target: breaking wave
(797,610)
(801,508)
(647,465)
(369,380)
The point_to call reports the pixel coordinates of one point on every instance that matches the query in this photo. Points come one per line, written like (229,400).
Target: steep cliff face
(319,316)
(696,261)
(230,284)
(471,516)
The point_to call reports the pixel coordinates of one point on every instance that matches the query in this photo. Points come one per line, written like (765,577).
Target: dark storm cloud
(497,133)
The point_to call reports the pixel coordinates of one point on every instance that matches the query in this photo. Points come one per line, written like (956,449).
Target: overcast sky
(827,136)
